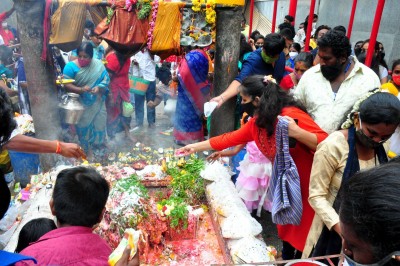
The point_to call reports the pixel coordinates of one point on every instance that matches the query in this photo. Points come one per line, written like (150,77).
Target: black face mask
(248,108)
(382,55)
(366,141)
(357,51)
(332,72)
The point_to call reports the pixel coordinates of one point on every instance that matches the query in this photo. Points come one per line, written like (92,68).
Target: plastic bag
(209,107)
(166,34)
(170,107)
(127,109)
(67,25)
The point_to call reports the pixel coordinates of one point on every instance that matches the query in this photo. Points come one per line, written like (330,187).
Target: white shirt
(328,110)
(300,36)
(147,65)
(383,72)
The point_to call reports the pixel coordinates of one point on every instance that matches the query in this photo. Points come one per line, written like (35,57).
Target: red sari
(296,235)
(119,87)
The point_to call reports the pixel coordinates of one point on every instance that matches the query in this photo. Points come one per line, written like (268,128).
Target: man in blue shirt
(268,60)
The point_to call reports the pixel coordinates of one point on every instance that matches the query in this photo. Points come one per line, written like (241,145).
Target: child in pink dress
(255,171)
(252,182)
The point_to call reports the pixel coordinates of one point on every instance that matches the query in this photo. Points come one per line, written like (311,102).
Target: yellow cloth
(395,138)
(5,161)
(326,176)
(390,87)
(167,29)
(313,43)
(315,93)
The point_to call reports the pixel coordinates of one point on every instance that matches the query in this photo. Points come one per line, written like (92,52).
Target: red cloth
(287,83)
(7,36)
(3,16)
(302,156)
(72,245)
(119,85)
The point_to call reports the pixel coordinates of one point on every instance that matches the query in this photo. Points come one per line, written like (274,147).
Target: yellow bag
(67,25)
(167,30)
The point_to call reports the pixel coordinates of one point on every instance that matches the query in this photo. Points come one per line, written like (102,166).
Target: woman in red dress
(302,63)
(275,102)
(118,69)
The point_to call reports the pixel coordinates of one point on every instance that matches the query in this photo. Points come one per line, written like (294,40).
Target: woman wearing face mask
(91,83)
(382,67)
(258,42)
(370,217)
(303,62)
(274,102)
(294,50)
(357,146)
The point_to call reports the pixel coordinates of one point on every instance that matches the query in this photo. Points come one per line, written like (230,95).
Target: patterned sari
(92,125)
(193,88)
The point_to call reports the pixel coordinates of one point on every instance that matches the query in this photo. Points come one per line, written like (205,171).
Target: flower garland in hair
(356,107)
(154,10)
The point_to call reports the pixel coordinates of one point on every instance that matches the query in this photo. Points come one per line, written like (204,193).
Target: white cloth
(383,72)
(146,64)
(1,40)
(300,36)
(315,93)
(15,132)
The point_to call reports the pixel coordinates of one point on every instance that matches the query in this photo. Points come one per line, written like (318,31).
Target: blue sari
(193,87)
(91,127)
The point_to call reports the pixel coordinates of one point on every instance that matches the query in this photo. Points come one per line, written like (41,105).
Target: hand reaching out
(72,150)
(219,100)
(214,157)
(187,150)
(124,260)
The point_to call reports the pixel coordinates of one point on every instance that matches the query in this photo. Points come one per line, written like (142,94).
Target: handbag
(138,85)
(284,190)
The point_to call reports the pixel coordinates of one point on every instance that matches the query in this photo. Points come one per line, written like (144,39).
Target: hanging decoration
(200,23)
(142,6)
(152,23)
(210,13)
(197,5)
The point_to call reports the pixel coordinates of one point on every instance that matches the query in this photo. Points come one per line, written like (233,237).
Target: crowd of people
(340,113)
(334,114)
